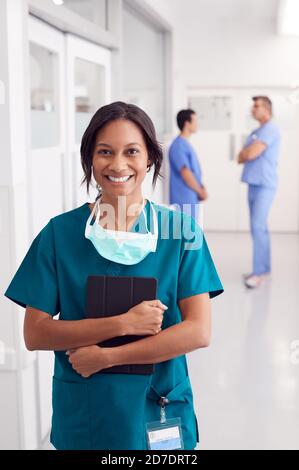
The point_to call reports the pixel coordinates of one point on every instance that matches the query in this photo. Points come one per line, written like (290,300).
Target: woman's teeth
(119,180)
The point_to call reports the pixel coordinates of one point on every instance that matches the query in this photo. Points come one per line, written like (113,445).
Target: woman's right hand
(145,318)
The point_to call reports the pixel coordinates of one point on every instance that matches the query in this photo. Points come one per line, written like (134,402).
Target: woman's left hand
(88,360)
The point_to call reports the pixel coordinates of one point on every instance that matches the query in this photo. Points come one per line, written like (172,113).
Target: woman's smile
(118,180)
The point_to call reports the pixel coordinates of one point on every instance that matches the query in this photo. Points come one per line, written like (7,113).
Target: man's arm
(252,152)
(192,333)
(191,181)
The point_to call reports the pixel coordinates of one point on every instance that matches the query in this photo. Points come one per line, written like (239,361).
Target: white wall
(17,405)
(228,43)
(233,43)
(164,8)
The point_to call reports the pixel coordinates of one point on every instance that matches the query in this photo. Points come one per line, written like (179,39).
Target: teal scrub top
(107,411)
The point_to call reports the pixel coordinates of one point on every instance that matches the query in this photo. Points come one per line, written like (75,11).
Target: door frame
(48,37)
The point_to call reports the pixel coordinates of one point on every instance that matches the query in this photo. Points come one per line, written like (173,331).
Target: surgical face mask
(118,246)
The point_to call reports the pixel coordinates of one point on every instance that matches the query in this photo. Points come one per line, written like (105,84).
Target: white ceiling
(227,9)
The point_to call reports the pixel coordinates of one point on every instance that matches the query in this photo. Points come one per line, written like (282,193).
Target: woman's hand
(145,318)
(88,360)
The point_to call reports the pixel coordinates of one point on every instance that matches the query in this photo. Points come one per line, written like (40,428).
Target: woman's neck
(124,210)
(123,204)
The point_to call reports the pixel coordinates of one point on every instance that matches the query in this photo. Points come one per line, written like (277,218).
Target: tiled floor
(246,388)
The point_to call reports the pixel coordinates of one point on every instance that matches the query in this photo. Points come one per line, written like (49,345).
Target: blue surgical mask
(118,246)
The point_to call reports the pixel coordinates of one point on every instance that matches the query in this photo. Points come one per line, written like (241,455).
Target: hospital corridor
(149,203)
(250,356)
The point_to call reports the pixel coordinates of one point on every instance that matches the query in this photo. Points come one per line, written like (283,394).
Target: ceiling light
(288,17)
(58,2)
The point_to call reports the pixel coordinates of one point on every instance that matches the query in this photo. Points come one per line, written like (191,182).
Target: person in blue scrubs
(111,411)
(186,187)
(260,157)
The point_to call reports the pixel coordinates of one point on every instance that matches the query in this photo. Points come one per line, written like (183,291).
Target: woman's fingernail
(165,306)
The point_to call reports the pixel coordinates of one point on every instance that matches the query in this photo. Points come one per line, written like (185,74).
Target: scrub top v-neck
(106,411)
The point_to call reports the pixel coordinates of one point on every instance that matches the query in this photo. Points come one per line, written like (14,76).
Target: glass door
(47,163)
(47,119)
(88,78)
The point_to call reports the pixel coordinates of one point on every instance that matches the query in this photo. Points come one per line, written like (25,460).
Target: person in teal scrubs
(111,411)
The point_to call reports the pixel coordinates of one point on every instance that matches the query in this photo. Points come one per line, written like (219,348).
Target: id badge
(166,435)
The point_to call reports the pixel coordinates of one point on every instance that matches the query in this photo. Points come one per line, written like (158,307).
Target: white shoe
(253,281)
(265,275)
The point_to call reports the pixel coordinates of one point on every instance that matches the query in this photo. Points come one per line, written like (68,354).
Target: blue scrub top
(263,170)
(106,411)
(182,154)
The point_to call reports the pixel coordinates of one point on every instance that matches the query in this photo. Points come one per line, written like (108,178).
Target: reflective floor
(246,388)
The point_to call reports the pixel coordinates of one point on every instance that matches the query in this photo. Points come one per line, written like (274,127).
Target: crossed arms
(80,337)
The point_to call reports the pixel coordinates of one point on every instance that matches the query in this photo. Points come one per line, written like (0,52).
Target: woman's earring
(99,189)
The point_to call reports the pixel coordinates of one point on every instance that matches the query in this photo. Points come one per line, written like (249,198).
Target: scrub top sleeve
(180,158)
(267,135)
(197,272)
(35,282)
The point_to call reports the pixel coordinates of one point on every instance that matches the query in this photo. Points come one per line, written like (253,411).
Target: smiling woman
(118,167)
(103,411)
(119,133)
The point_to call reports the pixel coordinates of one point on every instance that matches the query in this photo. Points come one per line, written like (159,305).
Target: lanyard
(163,401)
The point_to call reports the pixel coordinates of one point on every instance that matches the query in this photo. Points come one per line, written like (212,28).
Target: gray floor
(246,388)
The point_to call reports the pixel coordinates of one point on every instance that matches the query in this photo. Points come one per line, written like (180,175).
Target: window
(89,93)
(144,66)
(44,97)
(92,10)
